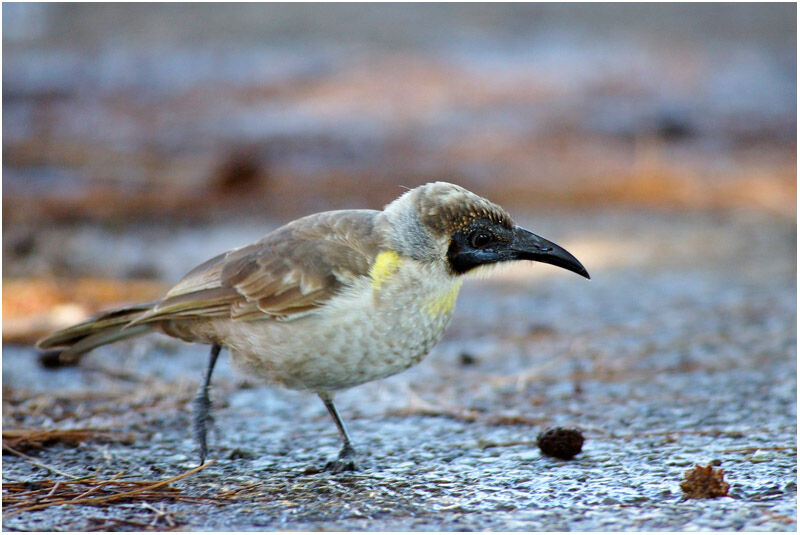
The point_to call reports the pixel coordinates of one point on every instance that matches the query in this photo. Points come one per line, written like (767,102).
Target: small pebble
(761,456)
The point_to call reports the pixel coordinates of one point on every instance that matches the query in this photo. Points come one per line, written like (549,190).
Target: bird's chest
(413,310)
(392,325)
(377,328)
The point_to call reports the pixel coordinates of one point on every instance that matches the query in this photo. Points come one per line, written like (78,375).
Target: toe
(338,466)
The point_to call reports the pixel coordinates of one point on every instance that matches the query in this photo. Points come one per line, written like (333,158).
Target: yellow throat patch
(386,263)
(444,302)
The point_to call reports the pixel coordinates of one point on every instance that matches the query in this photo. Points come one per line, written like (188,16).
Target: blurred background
(138,140)
(656,142)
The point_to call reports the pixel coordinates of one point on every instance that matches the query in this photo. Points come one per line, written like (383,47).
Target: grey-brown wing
(293,269)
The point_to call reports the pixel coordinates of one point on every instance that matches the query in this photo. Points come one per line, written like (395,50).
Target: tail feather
(104,329)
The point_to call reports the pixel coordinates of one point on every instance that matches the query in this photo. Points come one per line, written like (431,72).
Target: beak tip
(533,247)
(582,272)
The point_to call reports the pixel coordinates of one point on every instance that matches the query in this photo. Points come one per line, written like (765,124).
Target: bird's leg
(202,405)
(346,460)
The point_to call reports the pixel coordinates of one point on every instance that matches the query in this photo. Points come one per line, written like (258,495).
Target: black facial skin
(485,242)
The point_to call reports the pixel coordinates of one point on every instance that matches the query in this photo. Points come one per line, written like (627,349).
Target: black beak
(528,246)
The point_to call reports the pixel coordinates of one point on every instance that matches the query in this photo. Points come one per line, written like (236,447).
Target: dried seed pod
(560,442)
(704,482)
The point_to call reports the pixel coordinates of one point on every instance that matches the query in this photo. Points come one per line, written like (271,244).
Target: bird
(332,300)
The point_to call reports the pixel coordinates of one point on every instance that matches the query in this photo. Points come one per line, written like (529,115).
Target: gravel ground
(680,351)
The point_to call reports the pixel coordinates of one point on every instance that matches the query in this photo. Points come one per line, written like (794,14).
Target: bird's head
(447,224)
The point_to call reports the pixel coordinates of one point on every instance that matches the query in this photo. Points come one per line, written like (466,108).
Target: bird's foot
(337,466)
(345,462)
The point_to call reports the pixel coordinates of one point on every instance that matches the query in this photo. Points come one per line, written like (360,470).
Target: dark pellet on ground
(703,482)
(467,359)
(239,453)
(560,442)
(51,359)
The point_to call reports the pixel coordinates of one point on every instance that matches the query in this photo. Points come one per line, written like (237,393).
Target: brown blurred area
(118,115)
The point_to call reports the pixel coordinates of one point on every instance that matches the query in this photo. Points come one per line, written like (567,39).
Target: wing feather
(292,270)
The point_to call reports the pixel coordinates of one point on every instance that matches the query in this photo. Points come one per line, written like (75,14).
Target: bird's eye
(479,239)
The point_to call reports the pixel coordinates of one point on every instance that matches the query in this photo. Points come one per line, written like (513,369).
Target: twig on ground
(38,438)
(37,463)
(98,487)
(241,490)
(143,492)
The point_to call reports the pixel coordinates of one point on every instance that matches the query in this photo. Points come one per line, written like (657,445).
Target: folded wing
(292,270)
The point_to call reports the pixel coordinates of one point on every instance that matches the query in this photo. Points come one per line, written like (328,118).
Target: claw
(345,462)
(337,466)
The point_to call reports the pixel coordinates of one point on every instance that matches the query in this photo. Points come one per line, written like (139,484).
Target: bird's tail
(70,343)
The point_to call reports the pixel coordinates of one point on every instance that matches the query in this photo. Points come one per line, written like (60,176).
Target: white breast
(366,333)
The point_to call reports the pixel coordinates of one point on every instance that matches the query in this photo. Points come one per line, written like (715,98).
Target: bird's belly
(352,340)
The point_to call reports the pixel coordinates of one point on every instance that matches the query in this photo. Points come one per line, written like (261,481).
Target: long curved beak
(528,246)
